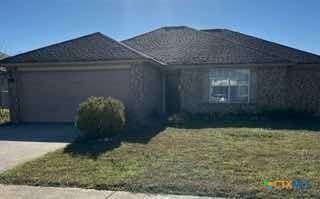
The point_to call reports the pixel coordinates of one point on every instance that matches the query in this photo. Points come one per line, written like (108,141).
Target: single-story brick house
(168,70)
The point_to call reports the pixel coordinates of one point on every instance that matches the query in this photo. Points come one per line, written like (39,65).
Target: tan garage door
(54,96)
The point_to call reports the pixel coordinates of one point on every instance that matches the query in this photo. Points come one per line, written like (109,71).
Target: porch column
(163,93)
(13,95)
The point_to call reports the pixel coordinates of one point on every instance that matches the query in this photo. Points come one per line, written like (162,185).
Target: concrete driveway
(21,143)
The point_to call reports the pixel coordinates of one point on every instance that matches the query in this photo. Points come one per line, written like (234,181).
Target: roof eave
(68,63)
(206,65)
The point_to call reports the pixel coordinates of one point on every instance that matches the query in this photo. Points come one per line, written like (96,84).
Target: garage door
(54,96)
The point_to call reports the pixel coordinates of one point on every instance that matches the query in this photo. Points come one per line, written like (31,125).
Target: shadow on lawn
(143,134)
(93,148)
(285,124)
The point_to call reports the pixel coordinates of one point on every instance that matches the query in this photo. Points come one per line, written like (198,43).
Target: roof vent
(167,28)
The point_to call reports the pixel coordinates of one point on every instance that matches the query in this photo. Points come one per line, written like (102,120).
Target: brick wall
(304,88)
(146,90)
(271,87)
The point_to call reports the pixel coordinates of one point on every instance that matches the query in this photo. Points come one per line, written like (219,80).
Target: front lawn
(230,159)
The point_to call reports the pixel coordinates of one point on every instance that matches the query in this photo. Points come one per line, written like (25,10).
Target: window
(229,86)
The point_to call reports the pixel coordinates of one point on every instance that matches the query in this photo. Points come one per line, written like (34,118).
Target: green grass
(228,159)
(4,115)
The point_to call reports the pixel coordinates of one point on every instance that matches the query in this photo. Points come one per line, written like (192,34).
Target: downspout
(13,95)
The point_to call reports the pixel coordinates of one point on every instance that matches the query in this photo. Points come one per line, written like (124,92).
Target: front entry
(172,93)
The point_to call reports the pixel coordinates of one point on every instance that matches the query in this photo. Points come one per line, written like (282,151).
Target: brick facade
(271,87)
(146,90)
(304,88)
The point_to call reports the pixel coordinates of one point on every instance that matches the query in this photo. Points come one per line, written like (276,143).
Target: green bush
(4,115)
(100,117)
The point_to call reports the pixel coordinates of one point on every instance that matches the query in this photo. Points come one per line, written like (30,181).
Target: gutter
(73,63)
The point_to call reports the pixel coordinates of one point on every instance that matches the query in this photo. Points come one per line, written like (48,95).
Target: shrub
(100,117)
(4,115)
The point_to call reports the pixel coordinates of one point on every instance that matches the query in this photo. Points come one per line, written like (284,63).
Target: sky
(27,25)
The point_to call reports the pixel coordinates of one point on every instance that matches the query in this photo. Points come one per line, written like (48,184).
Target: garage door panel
(54,96)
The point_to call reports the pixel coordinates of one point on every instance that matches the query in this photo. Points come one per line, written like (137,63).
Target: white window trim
(230,102)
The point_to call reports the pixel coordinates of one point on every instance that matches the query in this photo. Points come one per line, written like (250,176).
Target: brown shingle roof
(170,45)
(184,45)
(267,47)
(93,47)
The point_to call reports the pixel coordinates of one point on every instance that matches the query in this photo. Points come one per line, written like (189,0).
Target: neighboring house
(168,70)
(3,84)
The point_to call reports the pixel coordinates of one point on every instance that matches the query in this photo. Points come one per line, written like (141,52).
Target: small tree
(100,117)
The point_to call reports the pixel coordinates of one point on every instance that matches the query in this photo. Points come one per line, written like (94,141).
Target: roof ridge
(141,35)
(142,54)
(130,48)
(246,46)
(51,45)
(173,27)
(148,32)
(213,29)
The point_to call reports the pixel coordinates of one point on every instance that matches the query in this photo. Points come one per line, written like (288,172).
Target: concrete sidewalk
(30,192)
